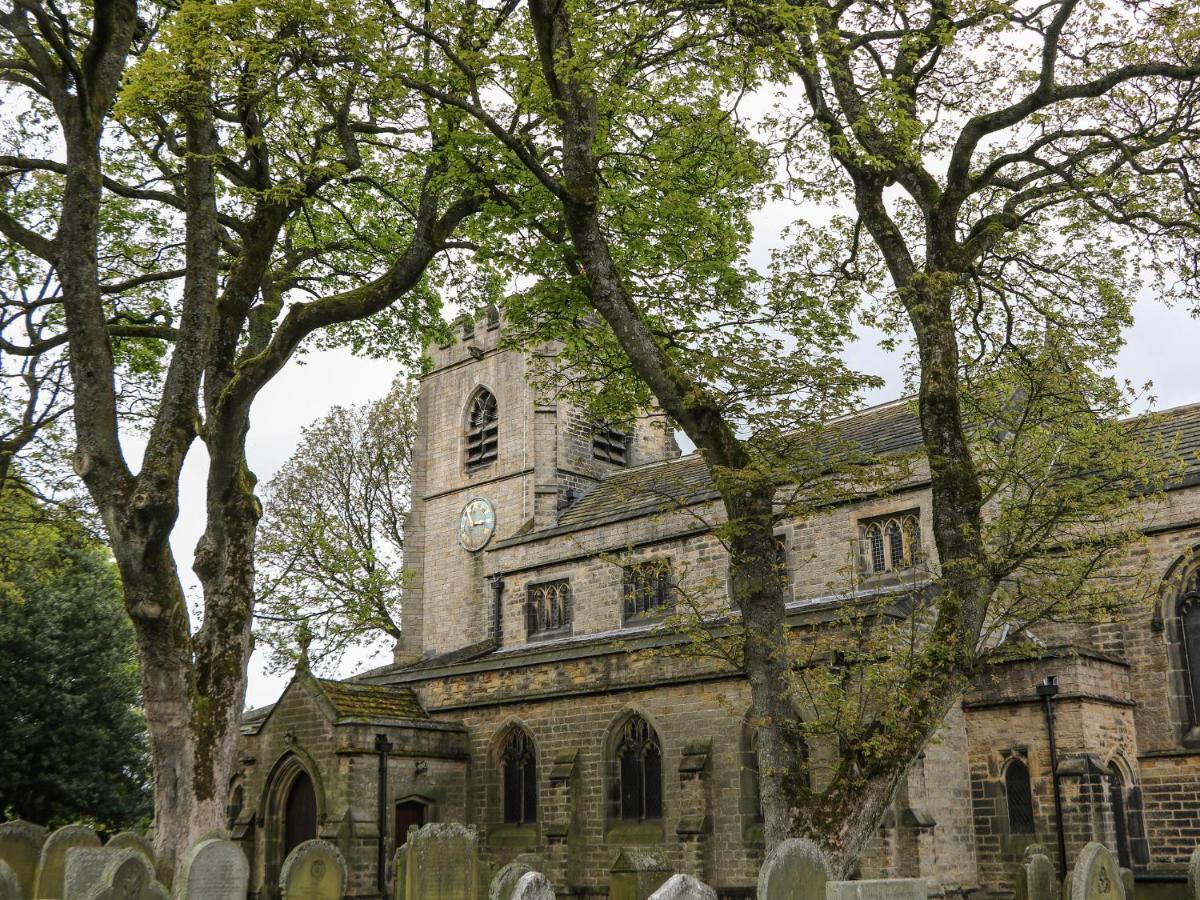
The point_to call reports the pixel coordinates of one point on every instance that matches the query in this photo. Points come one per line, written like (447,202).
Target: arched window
(891,543)
(518,773)
(1019,793)
(639,771)
(237,800)
(482,418)
(1189,645)
(548,610)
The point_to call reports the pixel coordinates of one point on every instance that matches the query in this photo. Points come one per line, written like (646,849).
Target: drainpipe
(1047,691)
(497,583)
(382,747)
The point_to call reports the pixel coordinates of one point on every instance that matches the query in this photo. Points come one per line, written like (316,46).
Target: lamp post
(1047,690)
(382,746)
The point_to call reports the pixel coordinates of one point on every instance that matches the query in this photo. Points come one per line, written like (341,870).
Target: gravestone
(215,869)
(684,887)
(93,872)
(52,866)
(131,840)
(400,873)
(1096,875)
(880,889)
(533,886)
(21,847)
(637,873)
(1194,875)
(1127,882)
(795,869)
(443,863)
(506,879)
(1040,879)
(10,887)
(315,870)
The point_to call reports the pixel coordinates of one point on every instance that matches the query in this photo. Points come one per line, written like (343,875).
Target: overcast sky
(1161,348)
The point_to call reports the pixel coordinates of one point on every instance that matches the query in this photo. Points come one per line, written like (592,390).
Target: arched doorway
(299,813)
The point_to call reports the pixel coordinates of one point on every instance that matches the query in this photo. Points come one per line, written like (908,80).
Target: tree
(72,740)
(331,543)
(203,188)
(641,174)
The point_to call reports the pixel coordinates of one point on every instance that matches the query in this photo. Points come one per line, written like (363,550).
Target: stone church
(530,696)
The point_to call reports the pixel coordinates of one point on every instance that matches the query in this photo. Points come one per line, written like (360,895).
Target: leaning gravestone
(795,869)
(52,867)
(1040,879)
(10,887)
(1096,875)
(21,847)
(443,862)
(881,889)
(533,886)
(215,869)
(315,870)
(684,887)
(506,879)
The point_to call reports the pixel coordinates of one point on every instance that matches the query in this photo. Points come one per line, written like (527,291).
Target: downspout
(1047,691)
(497,583)
(382,746)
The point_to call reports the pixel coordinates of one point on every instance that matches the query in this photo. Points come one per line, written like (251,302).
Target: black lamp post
(1047,690)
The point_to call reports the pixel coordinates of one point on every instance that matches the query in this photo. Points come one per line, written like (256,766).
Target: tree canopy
(72,739)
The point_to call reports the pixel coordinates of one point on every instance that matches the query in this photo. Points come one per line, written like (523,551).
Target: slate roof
(369,702)
(892,428)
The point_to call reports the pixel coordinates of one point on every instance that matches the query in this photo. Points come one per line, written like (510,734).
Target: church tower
(492,460)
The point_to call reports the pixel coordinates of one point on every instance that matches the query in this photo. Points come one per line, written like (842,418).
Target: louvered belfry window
(548,607)
(639,770)
(648,588)
(610,445)
(518,764)
(482,421)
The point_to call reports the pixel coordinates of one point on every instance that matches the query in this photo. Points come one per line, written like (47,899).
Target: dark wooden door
(300,814)
(408,812)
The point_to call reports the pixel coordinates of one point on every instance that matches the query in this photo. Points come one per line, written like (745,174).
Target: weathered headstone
(10,887)
(795,869)
(506,879)
(84,871)
(215,869)
(400,873)
(881,889)
(1127,881)
(52,867)
(131,840)
(127,876)
(443,863)
(21,847)
(91,872)
(533,886)
(315,870)
(1096,875)
(1040,879)
(1194,875)
(637,873)
(684,887)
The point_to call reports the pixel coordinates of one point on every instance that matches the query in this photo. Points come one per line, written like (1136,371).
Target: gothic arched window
(548,609)
(482,420)
(518,773)
(1019,794)
(891,543)
(639,771)
(1189,644)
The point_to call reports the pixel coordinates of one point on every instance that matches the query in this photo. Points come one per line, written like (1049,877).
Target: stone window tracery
(890,543)
(1188,612)
(639,771)
(648,588)
(482,427)
(518,774)
(548,607)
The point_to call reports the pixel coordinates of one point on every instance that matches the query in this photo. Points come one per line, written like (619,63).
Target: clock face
(476,524)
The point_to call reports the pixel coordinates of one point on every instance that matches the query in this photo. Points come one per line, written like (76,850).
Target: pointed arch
(1018,795)
(1180,619)
(516,758)
(293,769)
(635,756)
(481,429)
